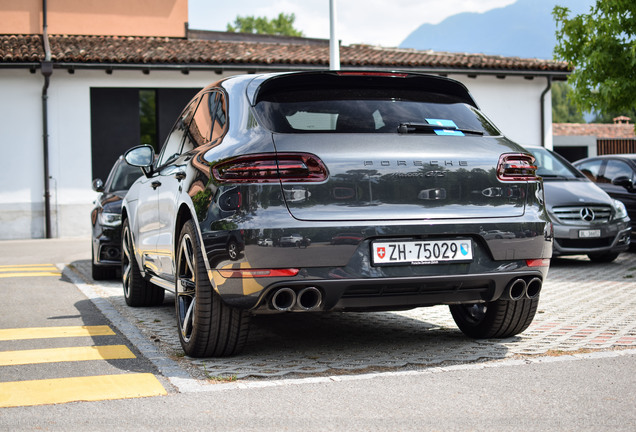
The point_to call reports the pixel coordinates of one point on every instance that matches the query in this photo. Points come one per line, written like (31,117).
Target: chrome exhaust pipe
(309,298)
(284,299)
(517,289)
(533,289)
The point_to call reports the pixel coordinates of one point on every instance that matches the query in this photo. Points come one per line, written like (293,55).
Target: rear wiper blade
(405,128)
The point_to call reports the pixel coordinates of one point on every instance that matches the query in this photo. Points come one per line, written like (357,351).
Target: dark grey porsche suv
(405,164)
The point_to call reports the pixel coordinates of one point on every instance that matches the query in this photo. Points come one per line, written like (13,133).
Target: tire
(603,258)
(102,273)
(207,326)
(137,291)
(498,319)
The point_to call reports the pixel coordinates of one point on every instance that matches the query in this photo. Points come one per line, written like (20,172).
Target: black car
(405,161)
(106,219)
(616,175)
(586,220)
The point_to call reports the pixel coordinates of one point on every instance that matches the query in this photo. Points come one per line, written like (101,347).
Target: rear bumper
(401,293)
(346,279)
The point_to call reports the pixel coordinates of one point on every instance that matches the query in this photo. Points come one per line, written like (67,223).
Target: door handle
(155,184)
(180,175)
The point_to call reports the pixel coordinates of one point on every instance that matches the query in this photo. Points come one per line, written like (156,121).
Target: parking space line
(93,388)
(53,355)
(54,332)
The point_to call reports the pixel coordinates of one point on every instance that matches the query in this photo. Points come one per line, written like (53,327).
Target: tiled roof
(599,130)
(157,51)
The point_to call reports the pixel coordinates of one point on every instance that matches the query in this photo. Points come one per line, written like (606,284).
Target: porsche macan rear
(373,191)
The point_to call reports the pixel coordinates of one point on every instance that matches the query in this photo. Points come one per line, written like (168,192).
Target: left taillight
(271,168)
(516,167)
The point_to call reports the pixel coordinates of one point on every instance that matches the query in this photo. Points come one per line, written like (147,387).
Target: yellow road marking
(27,270)
(29,274)
(52,355)
(54,332)
(93,388)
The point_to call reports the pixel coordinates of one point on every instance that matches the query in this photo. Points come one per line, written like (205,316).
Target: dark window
(617,168)
(148,117)
(220,117)
(591,169)
(370,110)
(173,145)
(122,118)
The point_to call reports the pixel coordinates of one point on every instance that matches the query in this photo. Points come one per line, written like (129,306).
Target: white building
(95,82)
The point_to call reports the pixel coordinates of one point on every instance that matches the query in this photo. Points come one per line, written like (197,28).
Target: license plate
(421,252)
(589,233)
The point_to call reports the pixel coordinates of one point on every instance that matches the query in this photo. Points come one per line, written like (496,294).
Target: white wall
(514,105)
(511,103)
(21,179)
(22,176)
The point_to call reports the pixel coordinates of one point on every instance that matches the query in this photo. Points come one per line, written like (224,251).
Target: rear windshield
(364,110)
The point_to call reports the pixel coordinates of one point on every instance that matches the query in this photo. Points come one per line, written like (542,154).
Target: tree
(564,110)
(608,116)
(601,45)
(282,25)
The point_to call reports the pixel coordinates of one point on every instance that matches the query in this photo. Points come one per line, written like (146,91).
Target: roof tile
(599,130)
(171,51)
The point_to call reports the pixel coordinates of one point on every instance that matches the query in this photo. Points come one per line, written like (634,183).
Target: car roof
(622,156)
(262,83)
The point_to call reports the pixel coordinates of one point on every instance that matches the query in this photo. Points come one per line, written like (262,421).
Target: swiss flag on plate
(381,252)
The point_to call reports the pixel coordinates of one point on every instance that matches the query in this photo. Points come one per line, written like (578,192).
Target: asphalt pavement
(584,307)
(572,369)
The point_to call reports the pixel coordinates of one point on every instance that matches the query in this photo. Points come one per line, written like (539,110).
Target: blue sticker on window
(448,132)
(442,122)
(448,124)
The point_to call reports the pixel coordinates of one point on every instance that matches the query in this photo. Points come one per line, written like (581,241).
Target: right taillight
(516,167)
(271,168)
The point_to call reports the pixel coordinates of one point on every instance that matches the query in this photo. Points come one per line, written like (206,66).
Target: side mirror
(624,181)
(141,156)
(98,185)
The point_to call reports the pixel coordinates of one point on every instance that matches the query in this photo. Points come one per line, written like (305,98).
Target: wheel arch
(184,214)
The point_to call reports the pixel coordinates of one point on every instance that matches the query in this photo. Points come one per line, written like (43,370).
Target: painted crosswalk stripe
(53,355)
(94,388)
(26,270)
(54,332)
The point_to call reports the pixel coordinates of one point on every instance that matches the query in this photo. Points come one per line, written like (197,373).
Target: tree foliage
(564,109)
(609,116)
(601,45)
(282,25)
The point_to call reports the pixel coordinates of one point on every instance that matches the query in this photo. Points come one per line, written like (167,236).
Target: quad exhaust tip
(520,288)
(285,299)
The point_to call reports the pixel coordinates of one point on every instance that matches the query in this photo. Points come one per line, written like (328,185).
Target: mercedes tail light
(271,168)
(516,167)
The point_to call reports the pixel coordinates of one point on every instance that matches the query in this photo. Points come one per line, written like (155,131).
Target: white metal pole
(334,46)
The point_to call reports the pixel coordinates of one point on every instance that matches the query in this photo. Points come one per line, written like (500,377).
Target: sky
(375,22)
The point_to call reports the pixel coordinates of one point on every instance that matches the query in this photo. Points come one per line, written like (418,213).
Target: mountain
(523,29)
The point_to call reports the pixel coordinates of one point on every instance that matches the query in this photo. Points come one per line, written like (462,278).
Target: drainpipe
(46,67)
(547,89)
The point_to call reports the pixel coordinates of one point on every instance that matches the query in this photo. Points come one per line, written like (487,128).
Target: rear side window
(364,110)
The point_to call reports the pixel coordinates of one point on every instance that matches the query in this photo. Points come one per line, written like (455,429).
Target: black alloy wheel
(207,326)
(137,291)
